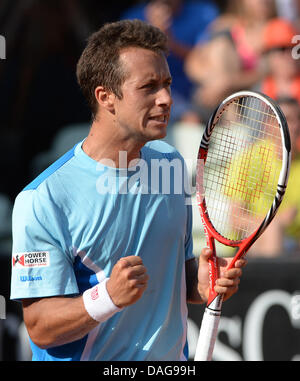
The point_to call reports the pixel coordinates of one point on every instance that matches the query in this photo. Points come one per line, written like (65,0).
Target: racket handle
(208,332)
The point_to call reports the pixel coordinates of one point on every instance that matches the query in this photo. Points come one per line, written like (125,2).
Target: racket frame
(209,326)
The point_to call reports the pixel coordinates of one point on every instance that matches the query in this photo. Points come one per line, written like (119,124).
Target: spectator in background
(283,235)
(289,10)
(283,78)
(44,39)
(230,60)
(184,22)
(296,18)
(43,45)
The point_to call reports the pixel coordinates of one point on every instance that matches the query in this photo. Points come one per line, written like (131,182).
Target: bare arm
(160,15)
(217,67)
(57,320)
(60,320)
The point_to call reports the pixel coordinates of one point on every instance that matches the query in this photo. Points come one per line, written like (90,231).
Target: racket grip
(207,335)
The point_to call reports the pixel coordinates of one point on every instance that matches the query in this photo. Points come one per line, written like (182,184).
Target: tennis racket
(242,172)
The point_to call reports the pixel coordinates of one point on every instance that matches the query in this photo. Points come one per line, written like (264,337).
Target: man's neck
(106,145)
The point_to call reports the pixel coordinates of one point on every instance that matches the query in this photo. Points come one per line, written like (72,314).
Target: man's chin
(154,135)
(162,133)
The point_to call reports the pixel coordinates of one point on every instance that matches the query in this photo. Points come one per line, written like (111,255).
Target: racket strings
(242,167)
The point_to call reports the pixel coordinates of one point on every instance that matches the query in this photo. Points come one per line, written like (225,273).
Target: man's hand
(128,281)
(229,280)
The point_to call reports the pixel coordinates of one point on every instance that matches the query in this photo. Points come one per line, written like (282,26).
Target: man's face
(282,64)
(144,110)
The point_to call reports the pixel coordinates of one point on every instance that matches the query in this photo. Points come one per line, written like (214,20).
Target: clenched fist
(128,281)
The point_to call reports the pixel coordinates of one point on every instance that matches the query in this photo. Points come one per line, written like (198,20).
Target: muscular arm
(57,320)
(60,320)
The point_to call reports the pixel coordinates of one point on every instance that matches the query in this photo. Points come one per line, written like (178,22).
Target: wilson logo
(29,278)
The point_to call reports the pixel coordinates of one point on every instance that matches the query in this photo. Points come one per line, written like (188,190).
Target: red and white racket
(242,172)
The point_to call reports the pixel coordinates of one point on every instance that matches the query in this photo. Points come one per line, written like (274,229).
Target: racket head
(235,182)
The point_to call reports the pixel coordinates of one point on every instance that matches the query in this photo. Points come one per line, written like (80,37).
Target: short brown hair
(99,63)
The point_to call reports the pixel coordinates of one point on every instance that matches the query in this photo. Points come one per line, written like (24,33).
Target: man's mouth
(162,118)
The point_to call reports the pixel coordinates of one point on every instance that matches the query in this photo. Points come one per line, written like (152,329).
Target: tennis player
(102,253)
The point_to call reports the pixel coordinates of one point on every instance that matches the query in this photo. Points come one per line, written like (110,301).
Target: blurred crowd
(216,48)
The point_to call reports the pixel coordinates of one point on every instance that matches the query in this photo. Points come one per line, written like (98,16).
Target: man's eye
(149,86)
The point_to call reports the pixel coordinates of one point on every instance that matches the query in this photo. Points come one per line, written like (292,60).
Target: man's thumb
(205,255)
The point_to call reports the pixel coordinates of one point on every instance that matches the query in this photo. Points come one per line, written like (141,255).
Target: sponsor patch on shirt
(31,259)
(29,278)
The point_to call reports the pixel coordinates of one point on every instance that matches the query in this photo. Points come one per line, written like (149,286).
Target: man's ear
(105,98)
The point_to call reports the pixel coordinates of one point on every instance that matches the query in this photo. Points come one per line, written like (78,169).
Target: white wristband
(98,303)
